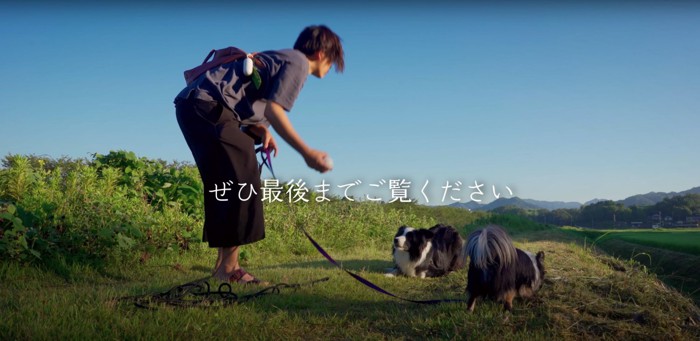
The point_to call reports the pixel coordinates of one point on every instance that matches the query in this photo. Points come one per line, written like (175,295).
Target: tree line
(678,211)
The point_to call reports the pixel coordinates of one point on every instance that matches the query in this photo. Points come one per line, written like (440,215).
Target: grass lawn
(586,296)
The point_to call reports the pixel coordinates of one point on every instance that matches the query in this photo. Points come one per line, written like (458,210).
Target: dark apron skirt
(225,157)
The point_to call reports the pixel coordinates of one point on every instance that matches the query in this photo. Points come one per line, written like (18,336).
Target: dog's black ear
(441,226)
(427,234)
(540,257)
(400,230)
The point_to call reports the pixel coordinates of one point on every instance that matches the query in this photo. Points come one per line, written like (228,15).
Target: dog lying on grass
(425,253)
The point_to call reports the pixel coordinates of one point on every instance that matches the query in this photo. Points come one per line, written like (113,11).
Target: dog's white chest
(403,261)
(406,265)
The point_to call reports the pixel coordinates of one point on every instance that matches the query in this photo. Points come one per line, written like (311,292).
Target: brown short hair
(320,38)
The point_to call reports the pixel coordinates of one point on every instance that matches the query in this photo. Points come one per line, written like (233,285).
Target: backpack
(221,56)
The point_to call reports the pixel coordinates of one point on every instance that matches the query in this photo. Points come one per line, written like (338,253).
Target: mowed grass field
(586,295)
(673,254)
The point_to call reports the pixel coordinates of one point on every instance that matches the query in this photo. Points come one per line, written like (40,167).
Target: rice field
(672,254)
(679,240)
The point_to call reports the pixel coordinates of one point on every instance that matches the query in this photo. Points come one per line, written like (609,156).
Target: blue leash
(266,160)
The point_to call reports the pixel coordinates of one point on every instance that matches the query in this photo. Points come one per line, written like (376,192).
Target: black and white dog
(499,270)
(424,253)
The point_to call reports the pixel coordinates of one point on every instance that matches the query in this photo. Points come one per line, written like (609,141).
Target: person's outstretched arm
(277,117)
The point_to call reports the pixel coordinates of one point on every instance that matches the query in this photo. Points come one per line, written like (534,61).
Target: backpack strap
(209,56)
(222,56)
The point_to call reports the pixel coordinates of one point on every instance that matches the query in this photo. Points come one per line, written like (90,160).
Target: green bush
(162,183)
(119,204)
(93,210)
(14,243)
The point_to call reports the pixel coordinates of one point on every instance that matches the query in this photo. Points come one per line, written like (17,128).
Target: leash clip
(266,160)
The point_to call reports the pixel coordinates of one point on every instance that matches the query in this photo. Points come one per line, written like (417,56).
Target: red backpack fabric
(221,56)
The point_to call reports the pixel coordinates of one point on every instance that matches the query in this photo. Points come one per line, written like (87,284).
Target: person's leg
(223,153)
(219,257)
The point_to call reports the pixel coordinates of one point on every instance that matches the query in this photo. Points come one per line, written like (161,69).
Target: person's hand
(268,142)
(277,117)
(316,159)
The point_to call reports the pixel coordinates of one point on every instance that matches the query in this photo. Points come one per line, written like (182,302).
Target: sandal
(237,277)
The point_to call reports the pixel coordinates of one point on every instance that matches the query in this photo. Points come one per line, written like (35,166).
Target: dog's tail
(491,245)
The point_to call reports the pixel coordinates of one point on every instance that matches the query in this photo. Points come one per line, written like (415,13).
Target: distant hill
(515,201)
(553,205)
(635,200)
(528,204)
(646,199)
(654,197)
(471,205)
(593,201)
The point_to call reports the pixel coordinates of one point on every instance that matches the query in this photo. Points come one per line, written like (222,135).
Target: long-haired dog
(430,252)
(499,270)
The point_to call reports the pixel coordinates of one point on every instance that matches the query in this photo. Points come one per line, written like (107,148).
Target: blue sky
(554,102)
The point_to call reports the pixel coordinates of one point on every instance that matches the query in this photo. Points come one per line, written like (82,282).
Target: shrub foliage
(120,204)
(91,209)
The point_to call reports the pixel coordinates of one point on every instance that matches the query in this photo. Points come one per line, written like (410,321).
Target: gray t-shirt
(283,75)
